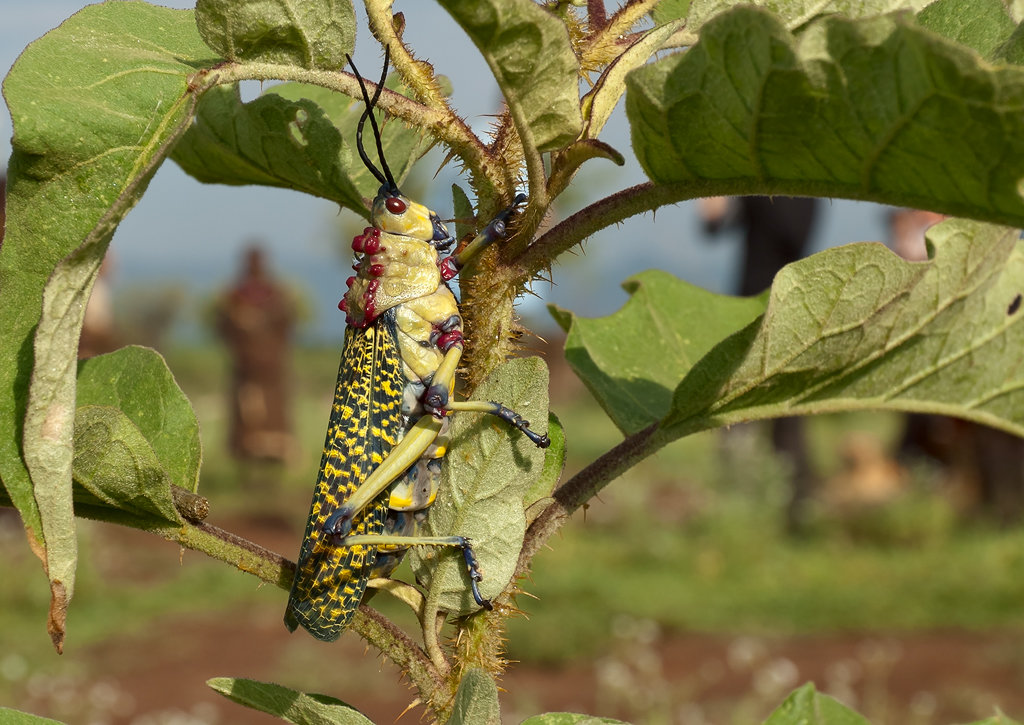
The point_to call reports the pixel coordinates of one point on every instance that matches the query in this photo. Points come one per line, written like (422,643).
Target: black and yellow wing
(366,423)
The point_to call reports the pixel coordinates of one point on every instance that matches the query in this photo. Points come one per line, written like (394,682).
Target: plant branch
(444,126)
(398,647)
(614,209)
(622,22)
(275,569)
(591,219)
(585,485)
(217,543)
(417,75)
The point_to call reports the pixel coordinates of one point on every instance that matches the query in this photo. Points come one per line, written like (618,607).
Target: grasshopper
(387,433)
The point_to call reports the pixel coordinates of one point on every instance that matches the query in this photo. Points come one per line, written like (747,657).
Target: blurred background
(879,556)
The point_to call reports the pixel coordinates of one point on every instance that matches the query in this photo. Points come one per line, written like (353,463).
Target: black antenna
(385,178)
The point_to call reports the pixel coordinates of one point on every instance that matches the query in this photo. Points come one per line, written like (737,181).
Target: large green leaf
(792,13)
(292,706)
(488,470)
(806,706)
(998,719)
(137,381)
(310,34)
(634,359)
(16,717)
(88,136)
(569,718)
(876,109)
(983,25)
(295,136)
(116,465)
(476,700)
(857,327)
(529,53)
(850,328)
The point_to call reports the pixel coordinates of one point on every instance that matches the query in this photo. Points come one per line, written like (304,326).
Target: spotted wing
(365,424)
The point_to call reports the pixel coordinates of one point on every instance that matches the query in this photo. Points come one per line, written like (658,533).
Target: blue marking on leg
(474,573)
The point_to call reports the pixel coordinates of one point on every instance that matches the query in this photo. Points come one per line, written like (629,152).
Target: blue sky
(158,243)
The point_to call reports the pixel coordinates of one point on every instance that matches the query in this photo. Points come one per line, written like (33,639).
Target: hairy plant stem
(445,126)
(275,569)
(416,74)
(586,484)
(611,210)
(622,22)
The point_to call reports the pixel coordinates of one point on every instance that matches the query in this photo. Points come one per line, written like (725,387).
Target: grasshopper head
(395,213)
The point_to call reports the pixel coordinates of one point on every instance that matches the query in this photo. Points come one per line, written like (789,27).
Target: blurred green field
(690,541)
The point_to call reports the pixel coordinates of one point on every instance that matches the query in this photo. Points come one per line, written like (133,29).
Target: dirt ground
(647,676)
(935,677)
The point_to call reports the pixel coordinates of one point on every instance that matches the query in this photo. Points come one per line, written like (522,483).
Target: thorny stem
(275,569)
(416,75)
(623,21)
(398,647)
(485,167)
(611,210)
(585,485)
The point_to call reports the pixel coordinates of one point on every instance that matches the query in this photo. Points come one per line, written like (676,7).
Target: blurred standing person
(255,318)
(99,334)
(906,232)
(776,232)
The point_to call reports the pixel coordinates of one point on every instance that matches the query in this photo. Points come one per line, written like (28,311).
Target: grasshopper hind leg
(391,547)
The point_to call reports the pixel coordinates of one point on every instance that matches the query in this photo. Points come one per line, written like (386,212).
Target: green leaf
(983,25)
(850,328)
(633,360)
(791,13)
(17,717)
(668,11)
(403,144)
(310,34)
(1012,51)
(115,463)
(808,707)
(476,700)
(296,707)
(569,718)
(137,381)
(295,136)
(488,469)
(848,108)
(88,136)
(857,327)
(529,53)
(997,719)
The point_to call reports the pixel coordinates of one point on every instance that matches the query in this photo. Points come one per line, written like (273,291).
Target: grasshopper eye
(395,205)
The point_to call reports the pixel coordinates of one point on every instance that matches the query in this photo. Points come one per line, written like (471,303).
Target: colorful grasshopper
(387,433)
